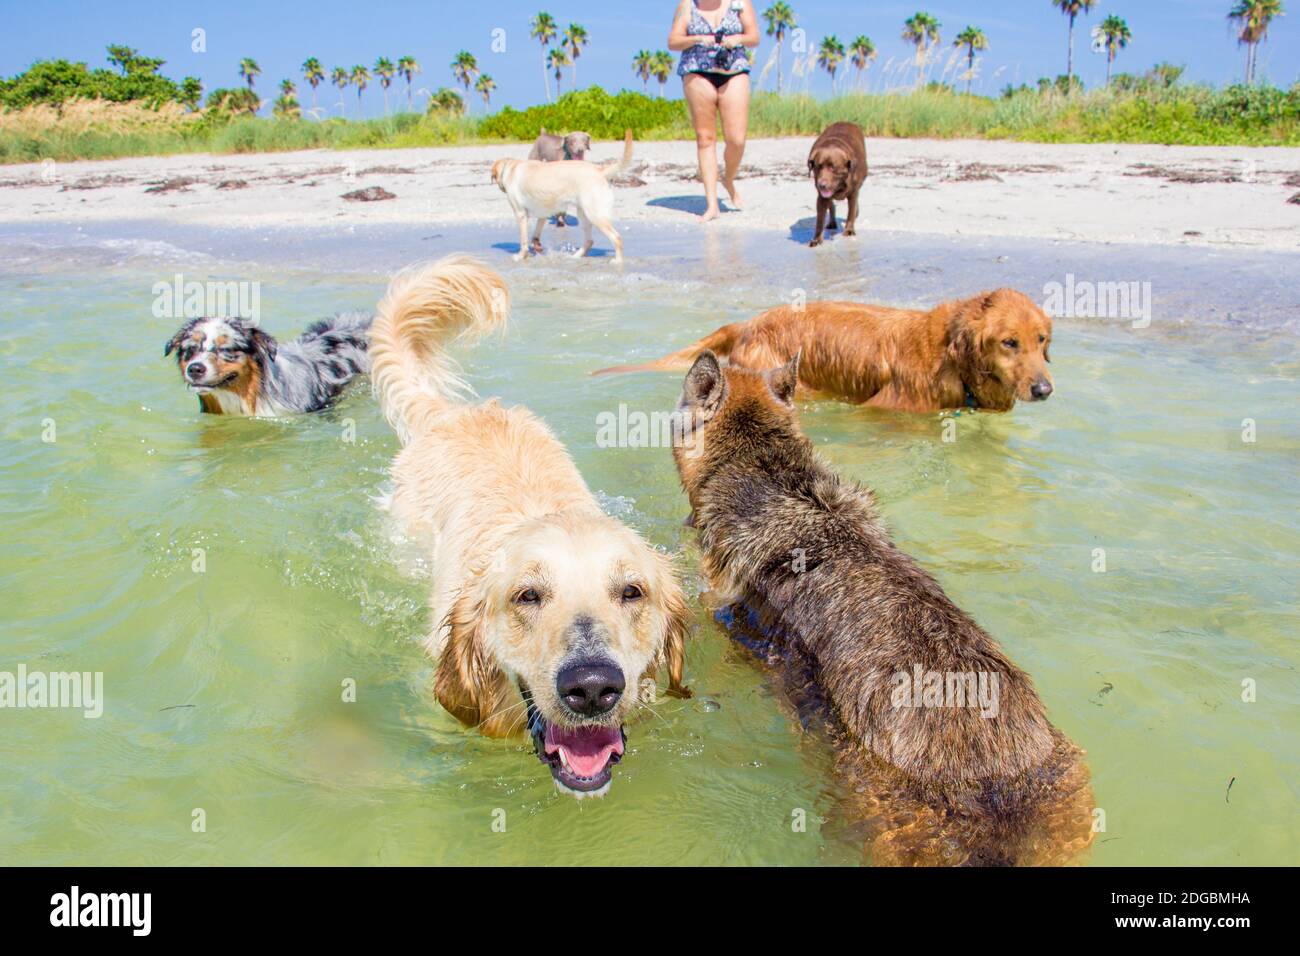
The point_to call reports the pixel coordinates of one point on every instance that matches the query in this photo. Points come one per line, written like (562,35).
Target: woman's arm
(678,38)
(748,20)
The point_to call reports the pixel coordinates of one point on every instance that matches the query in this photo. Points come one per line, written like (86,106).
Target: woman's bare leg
(702,97)
(733,104)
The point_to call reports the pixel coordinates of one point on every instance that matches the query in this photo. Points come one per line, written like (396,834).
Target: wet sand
(1158,195)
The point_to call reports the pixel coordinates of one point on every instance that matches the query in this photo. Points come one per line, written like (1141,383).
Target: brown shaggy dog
(952,756)
(548,614)
(838,165)
(983,352)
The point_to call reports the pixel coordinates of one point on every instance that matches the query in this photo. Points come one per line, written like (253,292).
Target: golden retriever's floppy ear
(966,332)
(468,684)
(675,618)
(784,380)
(679,625)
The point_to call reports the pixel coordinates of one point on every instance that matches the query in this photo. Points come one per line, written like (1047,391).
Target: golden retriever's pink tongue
(586,749)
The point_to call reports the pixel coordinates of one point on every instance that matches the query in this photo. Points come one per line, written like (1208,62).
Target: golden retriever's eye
(528,596)
(1042,339)
(631,593)
(1011,343)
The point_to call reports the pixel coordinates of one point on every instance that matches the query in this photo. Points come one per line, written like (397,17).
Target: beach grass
(1185,115)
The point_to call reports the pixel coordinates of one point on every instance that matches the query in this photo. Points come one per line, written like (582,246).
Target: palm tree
(543,31)
(643,66)
(922,30)
(408,67)
(830,56)
(862,51)
(340,77)
(446,100)
(661,69)
(249,69)
(485,85)
(385,70)
(286,107)
(575,38)
(972,38)
(1253,17)
(360,78)
(464,68)
(558,59)
(780,18)
(1115,35)
(314,75)
(1072,8)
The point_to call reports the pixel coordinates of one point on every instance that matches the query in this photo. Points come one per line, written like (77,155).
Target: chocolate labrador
(838,164)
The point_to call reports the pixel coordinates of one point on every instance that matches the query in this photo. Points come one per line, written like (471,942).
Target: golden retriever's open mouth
(581,758)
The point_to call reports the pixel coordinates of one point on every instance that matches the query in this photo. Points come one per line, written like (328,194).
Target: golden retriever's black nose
(1040,389)
(590,688)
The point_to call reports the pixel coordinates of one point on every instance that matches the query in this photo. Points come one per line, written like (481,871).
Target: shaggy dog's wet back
(950,755)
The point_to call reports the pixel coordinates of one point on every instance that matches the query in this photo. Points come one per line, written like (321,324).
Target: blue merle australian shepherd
(237,369)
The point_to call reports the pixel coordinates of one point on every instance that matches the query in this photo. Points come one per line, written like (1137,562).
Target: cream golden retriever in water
(548,615)
(543,190)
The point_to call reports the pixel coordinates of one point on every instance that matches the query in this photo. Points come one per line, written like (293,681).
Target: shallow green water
(223,687)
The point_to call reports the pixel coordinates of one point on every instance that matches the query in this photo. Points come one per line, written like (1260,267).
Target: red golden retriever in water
(986,352)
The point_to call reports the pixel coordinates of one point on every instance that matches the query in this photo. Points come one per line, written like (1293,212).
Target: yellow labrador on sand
(548,615)
(542,190)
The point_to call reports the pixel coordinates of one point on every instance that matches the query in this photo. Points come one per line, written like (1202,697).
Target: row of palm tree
(464,69)
(922,30)
(1252,18)
(544,29)
(658,64)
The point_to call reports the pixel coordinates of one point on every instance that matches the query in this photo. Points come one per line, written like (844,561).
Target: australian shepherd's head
(224,362)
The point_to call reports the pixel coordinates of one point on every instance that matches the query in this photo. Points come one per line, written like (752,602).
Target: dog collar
(970,397)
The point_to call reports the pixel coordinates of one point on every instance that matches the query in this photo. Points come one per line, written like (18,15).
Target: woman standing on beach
(712,36)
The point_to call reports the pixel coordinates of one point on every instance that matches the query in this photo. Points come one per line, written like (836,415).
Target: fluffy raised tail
(424,308)
(720,343)
(614,169)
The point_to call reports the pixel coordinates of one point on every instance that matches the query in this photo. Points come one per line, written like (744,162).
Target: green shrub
(593,110)
(55,82)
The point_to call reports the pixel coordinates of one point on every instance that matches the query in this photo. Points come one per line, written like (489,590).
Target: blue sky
(1027,39)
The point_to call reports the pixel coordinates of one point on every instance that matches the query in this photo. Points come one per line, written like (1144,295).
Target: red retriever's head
(998,341)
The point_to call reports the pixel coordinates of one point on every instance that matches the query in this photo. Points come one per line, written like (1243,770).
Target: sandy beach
(1205,196)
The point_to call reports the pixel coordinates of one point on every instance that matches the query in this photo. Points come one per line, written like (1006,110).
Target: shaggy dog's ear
(784,380)
(704,387)
(175,341)
(468,683)
(264,345)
